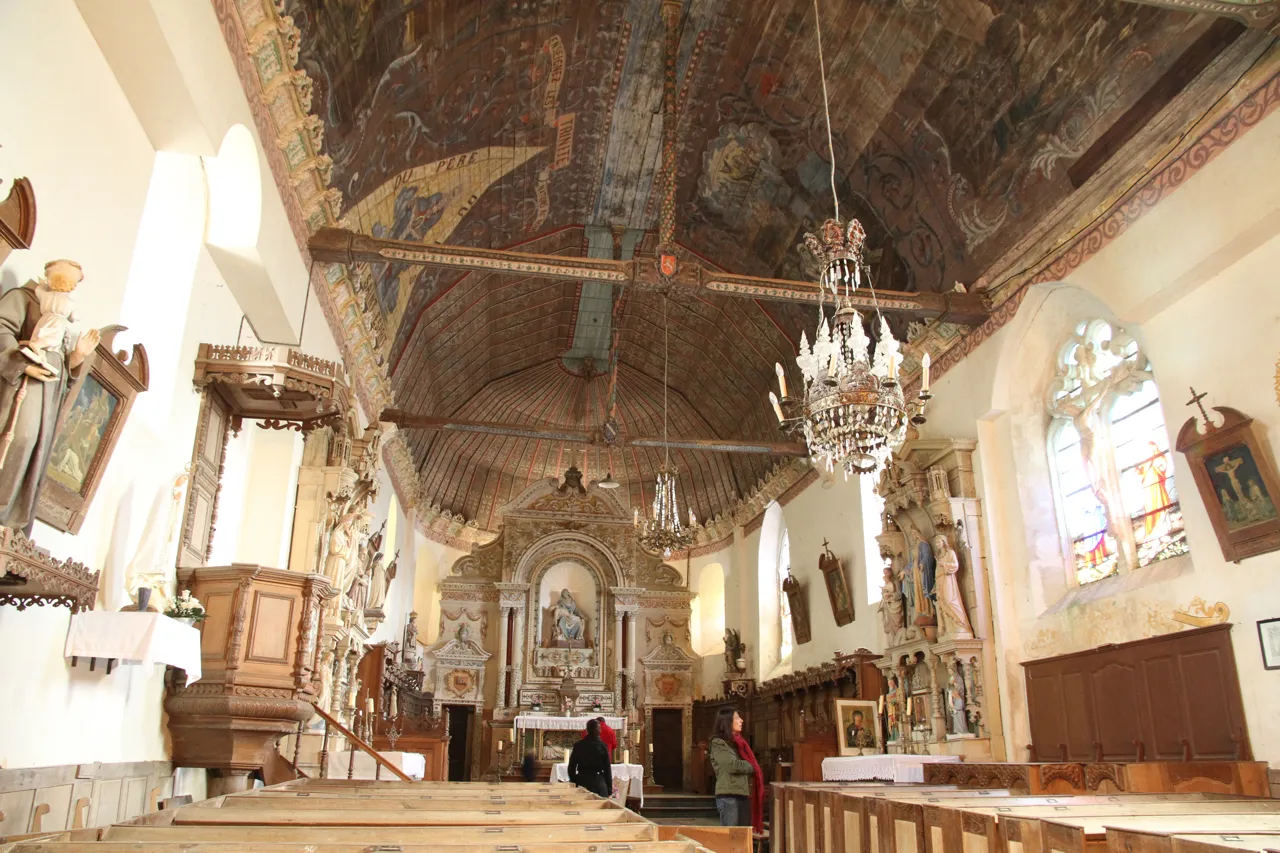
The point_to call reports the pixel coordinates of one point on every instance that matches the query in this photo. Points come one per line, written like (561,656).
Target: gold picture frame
(858,727)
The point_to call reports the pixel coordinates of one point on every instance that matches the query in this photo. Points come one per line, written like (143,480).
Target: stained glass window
(1110,449)
(787,635)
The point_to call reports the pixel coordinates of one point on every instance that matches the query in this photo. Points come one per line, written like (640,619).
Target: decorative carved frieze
(29,575)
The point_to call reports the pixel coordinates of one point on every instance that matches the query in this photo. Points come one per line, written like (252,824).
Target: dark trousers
(734,811)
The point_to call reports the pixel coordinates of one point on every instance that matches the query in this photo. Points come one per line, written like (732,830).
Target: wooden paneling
(271,628)
(1178,696)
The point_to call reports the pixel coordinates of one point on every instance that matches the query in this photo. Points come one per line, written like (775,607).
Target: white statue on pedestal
(892,609)
(567,621)
(953,621)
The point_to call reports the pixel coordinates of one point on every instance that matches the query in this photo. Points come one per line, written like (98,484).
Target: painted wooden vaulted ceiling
(537,124)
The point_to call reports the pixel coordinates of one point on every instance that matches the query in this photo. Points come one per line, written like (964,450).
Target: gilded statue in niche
(920,571)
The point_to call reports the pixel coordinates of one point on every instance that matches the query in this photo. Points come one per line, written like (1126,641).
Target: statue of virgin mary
(567,620)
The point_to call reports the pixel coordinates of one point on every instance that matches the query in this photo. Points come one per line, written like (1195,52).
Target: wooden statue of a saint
(38,366)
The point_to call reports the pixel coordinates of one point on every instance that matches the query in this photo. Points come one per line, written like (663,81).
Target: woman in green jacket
(739,782)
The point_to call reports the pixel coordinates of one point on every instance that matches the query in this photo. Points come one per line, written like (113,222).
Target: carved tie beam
(339,246)
(407,420)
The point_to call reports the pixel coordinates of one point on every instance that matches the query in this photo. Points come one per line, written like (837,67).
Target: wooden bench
(976,826)
(440,805)
(608,833)
(233,816)
(1149,841)
(1225,843)
(1089,833)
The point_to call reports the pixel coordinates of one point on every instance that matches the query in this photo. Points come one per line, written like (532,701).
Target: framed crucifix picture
(88,431)
(1236,479)
(837,585)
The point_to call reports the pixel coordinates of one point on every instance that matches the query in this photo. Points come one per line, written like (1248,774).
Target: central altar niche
(570,613)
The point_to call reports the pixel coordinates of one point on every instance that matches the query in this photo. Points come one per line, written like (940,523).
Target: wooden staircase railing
(356,743)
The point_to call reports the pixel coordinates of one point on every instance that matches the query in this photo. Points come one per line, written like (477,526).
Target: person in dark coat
(589,765)
(529,768)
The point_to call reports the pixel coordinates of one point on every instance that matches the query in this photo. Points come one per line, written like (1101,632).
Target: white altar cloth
(628,780)
(412,764)
(133,637)
(899,769)
(549,722)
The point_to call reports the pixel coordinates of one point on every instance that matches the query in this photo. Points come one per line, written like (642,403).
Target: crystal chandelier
(662,531)
(851,410)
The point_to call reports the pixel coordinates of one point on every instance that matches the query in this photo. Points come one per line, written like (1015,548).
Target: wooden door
(668,748)
(461,719)
(212,430)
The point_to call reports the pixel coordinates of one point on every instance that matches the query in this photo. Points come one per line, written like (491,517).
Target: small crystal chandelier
(662,531)
(851,410)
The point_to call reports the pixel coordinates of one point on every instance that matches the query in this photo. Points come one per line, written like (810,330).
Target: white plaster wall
(434,563)
(131,217)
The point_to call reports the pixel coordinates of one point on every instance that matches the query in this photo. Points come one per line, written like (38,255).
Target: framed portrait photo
(91,422)
(1269,639)
(857,727)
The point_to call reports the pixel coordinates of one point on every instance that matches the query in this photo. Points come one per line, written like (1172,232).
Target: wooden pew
(975,826)
(1220,843)
(804,813)
(387,804)
(1089,833)
(1160,841)
(564,793)
(610,833)
(232,816)
(676,846)
(716,839)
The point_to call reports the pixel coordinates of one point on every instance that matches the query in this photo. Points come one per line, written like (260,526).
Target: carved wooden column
(258,651)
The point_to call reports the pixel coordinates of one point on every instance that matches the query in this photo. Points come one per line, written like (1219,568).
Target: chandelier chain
(826,106)
(666,334)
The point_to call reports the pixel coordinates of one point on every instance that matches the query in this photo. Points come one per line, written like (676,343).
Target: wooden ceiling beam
(407,420)
(339,246)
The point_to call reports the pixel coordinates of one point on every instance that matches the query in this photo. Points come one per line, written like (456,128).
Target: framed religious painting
(857,727)
(98,404)
(837,586)
(800,627)
(1269,639)
(1237,481)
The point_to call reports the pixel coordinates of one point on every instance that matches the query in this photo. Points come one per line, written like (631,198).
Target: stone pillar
(503,667)
(631,661)
(518,655)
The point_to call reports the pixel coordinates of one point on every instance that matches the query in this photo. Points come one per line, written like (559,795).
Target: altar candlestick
(626,756)
(908,706)
(501,743)
(394,703)
(368,705)
(782,378)
(924,372)
(651,748)
(880,706)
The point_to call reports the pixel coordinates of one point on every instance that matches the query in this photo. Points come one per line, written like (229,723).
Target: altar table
(412,764)
(628,780)
(552,723)
(899,769)
(134,637)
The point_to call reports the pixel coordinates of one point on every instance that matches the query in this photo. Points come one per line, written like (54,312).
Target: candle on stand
(651,748)
(626,756)
(924,372)
(368,705)
(880,705)
(394,703)
(501,742)
(908,706)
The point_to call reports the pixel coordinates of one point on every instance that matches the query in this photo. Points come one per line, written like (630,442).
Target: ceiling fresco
(536,124)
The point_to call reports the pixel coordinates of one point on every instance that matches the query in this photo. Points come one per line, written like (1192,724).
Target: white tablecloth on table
(628,780)
(549,722)
(412,764)
(899,769)
(134,637)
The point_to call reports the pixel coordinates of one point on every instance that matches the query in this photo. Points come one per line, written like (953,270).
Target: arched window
(1109,453)
(786,635)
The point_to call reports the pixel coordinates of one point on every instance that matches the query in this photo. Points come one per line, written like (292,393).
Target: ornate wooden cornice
(29,575)
(279,386)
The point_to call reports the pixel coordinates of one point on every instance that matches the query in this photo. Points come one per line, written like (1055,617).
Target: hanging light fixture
(662,531)
(608,482)
(850,410)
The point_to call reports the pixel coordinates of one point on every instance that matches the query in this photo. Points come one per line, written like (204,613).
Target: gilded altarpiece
(935,608)
(574,602)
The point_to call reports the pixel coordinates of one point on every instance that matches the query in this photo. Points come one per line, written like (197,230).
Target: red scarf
(757,789)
